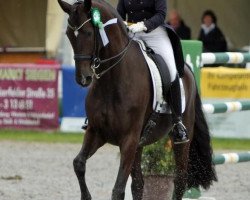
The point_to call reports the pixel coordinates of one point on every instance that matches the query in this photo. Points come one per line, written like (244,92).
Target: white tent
(31,23)
(36,23)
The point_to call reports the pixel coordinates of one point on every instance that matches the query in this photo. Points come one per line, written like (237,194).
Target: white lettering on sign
(39,93)
(11,74)
(40,75)
(12,92)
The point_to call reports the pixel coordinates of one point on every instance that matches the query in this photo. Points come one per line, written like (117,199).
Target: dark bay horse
(119,104)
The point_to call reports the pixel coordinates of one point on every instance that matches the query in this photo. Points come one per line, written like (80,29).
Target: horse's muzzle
(84,81)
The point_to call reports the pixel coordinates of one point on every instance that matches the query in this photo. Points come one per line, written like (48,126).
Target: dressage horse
(119,103)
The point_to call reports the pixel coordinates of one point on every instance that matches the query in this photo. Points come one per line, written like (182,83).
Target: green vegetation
(59,137)
(230,144)
(157,158)
(40,136)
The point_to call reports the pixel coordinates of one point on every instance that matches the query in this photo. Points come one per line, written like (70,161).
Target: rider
(147,18)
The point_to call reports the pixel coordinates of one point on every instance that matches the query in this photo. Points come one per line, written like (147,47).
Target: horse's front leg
(137,178)
(128,150)
(90,144)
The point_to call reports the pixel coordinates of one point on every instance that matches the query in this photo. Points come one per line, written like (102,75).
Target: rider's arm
(121,9)
(159,17)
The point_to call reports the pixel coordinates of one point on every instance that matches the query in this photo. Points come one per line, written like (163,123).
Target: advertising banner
(225,82)
(28,96)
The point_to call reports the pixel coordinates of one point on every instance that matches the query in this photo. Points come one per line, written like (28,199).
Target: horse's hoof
(118,196)
(88,197)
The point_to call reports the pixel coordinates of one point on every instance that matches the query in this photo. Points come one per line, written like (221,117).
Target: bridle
(96,62)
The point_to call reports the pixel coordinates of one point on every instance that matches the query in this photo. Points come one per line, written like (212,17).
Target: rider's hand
(138,27)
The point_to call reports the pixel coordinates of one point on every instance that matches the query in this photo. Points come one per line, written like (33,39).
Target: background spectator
(177,23)
(210,34)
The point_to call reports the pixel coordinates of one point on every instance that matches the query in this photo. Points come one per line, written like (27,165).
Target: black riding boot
(179,131)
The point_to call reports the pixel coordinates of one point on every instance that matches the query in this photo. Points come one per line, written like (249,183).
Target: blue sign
(73,101)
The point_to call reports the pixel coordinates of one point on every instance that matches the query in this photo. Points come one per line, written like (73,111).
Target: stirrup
(179,123)
(179,133)
(85,125)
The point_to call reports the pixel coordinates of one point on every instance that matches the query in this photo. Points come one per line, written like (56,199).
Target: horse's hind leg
(91,143)
(181,152)
(181,162)
(137,178)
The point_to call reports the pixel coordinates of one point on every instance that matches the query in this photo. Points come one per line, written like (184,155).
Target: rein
(94,59)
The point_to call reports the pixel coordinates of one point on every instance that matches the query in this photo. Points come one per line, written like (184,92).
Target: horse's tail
(201,170)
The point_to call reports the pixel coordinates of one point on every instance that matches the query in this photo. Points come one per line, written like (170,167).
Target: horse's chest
(103,117)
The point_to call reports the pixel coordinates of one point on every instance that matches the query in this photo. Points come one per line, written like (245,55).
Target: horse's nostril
(79,80)
(88,79)
(84,81)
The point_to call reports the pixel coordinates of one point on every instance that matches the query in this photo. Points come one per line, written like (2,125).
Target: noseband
(96,62)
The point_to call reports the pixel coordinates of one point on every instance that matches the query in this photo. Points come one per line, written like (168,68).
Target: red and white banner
(29,96)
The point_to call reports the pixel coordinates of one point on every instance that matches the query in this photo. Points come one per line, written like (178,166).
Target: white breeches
(159,41)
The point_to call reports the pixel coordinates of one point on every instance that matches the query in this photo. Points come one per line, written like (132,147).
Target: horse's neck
(119,41)
(114,79)
(118,38)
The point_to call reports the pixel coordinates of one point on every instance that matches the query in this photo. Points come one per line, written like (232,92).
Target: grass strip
(231,144)
(40,136)
(59,137)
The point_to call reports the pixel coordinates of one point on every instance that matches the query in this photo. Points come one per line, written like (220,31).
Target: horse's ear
(65,6)
(87,4)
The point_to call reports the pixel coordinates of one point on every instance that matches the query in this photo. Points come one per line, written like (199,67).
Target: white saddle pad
(159,104)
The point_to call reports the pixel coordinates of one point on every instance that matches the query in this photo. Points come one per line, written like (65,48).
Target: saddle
(160,78)
(163,70)
(161,83)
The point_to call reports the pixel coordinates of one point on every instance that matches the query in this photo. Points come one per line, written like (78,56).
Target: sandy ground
(40,171)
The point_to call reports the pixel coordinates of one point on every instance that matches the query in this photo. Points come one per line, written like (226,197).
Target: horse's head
(88,38)
(81,34)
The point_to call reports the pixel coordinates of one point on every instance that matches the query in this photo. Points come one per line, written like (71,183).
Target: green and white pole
(226,107)
(227,57)
(231,158)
